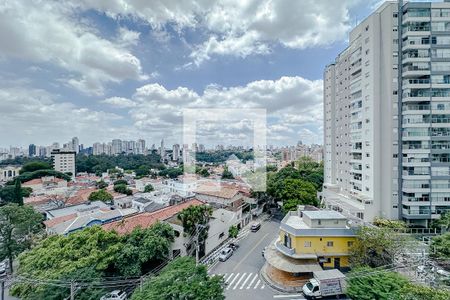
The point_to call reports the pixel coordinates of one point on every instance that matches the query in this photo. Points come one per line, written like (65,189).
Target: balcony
(292,253)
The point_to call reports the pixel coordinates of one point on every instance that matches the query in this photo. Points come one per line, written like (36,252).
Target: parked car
(233,246)
(115,295)
(255,227)
(225,254)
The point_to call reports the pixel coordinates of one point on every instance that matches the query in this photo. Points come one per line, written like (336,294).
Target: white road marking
(243,284)
(263,286)
(287,295)
(240,279)
(253,280)
(229,285)
(256,285)
(231,275)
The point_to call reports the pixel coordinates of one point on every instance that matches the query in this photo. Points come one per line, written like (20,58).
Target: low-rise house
(147,219)
(70,219)
(183,186)
(46,184)
(309,241)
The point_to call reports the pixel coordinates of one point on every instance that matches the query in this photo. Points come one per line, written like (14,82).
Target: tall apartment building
(387,116)
(64,161)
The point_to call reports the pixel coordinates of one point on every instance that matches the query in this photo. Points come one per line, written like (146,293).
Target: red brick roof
(58,220)
(147,219)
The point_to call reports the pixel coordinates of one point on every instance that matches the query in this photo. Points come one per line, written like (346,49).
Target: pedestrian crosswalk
(243,281)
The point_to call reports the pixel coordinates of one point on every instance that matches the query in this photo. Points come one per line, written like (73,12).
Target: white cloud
(34,115)
(119,102)
(48,31)
(240,28)
(291,104)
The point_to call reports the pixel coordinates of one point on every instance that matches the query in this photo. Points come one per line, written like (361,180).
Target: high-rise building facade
(32,150)
(64,161)
(387,116)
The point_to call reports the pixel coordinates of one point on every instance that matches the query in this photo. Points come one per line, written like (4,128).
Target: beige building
(64,161)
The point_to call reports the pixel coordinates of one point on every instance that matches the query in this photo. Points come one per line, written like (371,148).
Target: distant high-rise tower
(32,150)
(75,145)
(162,150)
(176,152)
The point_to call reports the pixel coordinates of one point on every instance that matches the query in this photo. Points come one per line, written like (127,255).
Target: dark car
(255,227)
(234,246)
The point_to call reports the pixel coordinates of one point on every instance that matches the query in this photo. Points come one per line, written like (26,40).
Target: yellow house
(309,241)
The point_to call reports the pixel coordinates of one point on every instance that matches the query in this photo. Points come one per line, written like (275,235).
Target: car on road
(115,295)
(225,254)
(255,227)
(233,246)
(263,251)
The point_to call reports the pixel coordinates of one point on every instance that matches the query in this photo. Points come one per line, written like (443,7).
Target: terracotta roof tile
(145,220)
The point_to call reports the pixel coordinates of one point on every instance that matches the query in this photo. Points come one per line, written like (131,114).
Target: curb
(274,286)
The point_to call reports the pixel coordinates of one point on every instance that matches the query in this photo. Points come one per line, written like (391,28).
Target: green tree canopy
(100,195)
(8,193)
(123,189)
(182,279)
(442,222)
(101,184)
(35,166)
(18,195)
(91,255)
(421,292)
(24,177)
(227,174)
(369,284)
(375,247)
(18,224)
(440,246)
(171,172)
(120,181)
(144,249)
(233,231)
(148,188)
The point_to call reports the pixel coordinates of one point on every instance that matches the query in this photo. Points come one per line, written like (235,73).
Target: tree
(7,193)
(35,166)
(144,249)
(123,189)
(393,224)
(296,192)
(101,184)
(227,174)
(419,292)
(18,224)
(148,188)
(100,195)
(59,257)
(233,231)
(18,196)
(440,246)
(369,284)
(195,219)
(142,171)
(375,247)
(182,279)
(443,222)
(120,181)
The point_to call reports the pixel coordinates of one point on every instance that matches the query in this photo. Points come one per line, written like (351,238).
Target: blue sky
(101,69)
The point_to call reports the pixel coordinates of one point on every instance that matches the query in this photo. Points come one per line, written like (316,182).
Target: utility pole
(197,243)
(3,290)
(72,290)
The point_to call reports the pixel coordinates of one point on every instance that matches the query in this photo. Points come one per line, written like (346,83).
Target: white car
(225,254)
(115,295)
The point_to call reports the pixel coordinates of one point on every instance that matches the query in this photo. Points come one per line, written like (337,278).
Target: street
(241,270)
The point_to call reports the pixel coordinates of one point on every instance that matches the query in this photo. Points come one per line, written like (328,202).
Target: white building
(64,161)
(387,114)
(9,172)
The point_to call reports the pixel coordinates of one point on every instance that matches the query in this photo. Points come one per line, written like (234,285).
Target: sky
(129,69)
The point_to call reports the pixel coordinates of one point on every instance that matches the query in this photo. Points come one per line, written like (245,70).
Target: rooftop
(324,215)
(147,219)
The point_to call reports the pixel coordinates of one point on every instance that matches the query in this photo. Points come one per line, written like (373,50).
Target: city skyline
(135,70)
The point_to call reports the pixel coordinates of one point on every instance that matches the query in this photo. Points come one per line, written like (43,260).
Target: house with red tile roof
(147,219)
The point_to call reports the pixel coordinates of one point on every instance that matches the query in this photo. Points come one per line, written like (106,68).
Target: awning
(291,265)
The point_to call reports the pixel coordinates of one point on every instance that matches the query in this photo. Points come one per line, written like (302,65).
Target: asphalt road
(241,270)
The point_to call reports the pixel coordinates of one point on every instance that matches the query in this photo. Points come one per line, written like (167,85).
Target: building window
(319,222)
(330,244)
(287,241)
(307,244)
